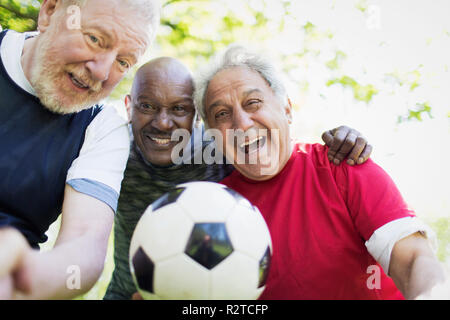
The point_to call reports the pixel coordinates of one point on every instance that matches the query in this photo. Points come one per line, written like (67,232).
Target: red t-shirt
(319,216)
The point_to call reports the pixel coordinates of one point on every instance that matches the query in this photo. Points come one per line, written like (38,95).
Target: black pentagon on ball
(167,198)
(209,244)
(143,270)
(264,266)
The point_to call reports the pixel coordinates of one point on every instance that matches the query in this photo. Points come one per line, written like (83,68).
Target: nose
(163,121)
(242,120)
(100,67)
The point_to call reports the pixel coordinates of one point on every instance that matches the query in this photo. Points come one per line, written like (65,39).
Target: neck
(287,155)
(27,56)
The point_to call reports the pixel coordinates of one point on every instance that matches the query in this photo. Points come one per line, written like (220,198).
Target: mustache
(83,76)
(159,133)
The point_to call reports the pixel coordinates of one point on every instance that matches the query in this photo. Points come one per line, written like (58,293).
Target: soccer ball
(201,241)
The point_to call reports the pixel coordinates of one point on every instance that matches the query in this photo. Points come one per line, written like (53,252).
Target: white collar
(11,52)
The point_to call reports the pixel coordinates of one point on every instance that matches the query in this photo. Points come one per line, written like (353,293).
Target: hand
(415,269)
(346,142)
(6,288)
(440,291)
(13,249)
(136,296)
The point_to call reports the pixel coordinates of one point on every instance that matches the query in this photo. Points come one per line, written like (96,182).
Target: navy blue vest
(37,148)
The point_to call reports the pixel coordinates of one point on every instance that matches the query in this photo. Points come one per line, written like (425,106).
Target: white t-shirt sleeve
(382,241)
(98,170)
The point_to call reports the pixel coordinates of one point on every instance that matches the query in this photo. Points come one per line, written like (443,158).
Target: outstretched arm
(79,251)
(345,142)
(414,268)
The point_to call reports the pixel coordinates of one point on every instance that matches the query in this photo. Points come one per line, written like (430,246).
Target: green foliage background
(194,31)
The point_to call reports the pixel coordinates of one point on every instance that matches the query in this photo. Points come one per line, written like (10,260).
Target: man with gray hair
(160,106)
(62,152)
(338,232)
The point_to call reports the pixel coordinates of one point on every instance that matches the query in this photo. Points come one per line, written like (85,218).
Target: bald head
(166,70)
(160,102)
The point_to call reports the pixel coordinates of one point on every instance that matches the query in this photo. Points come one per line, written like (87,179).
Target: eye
(147,107)
(253,102)
(181,109)
(94,39)
(221,114)
(124,64)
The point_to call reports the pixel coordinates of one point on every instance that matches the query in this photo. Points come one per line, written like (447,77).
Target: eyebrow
(249,92)
(221,103)
(184,99)
(111,37)
(105,32)
(154,101)
(215,105)
(129,54)
(132,56)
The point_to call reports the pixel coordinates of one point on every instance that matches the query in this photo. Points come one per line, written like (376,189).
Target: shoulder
(107,122)
(108,129)
(104,153)
(107,116)
(316,156)
(11,35)
(315,153)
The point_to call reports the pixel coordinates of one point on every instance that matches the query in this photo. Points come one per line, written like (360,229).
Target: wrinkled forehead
(118,22)
(174,89)
(162,86)
(235,81)
(163,74)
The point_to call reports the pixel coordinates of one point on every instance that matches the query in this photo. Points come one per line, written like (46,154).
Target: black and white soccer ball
(202,241)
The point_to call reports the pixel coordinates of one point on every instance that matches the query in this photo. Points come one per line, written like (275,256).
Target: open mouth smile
(159,141)
(253,145)
(77,82)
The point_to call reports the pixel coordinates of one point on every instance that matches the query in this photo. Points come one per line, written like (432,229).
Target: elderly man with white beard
(62,152)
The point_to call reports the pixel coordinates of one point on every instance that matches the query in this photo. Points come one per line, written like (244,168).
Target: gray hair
(237,56)
(150,10)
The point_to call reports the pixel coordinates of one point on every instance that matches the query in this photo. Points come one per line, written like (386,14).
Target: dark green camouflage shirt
(141,186)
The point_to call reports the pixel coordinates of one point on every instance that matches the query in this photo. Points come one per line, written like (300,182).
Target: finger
(346,147)
(338,139)
(137,296)
(6,288)
(365,154)
(327,137)
(358,148)
(12,248)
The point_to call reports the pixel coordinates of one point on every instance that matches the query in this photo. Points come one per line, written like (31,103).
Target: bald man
(160,103)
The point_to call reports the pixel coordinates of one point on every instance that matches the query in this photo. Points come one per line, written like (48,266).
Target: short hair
(237,56)
(150,10)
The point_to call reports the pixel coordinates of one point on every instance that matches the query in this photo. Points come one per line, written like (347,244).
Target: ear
(288,110)
(128,106)
(48,9)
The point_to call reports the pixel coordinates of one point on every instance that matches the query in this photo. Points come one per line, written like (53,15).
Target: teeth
(161,141)
(250,142)
(77,82)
